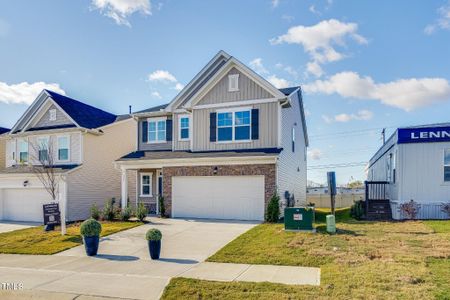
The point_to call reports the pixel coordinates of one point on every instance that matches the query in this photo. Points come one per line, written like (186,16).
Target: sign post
(331,179)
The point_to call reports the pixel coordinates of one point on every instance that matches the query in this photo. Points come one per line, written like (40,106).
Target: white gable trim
(35,103)
(233,62)
(196,78)
(237,103)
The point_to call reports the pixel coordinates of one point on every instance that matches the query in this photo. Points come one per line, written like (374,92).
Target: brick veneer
(268,170)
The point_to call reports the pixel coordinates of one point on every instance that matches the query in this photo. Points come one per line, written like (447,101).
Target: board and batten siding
(143,146)
(248,90)
(268,129)
(291,165)
(177,144)
(44,121)
(97,180)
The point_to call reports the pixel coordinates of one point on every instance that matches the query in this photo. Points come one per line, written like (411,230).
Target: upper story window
(293,139)
(52,114)
(156,131)
(63,148)
(184,128)
(447,165)
(233,126)
(233,82)
(42,146)
(23,151)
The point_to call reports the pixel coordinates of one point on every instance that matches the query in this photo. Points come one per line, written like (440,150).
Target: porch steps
(379,210)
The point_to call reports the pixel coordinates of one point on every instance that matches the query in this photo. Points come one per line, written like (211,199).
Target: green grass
(364,260)
(36,241)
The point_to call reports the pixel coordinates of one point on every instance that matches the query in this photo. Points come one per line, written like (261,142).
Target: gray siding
(268,130)
(149,146)
(291,167)
(177,144)
(44,121)
(248,90)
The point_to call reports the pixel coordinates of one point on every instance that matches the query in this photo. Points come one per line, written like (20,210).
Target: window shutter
(255,124)
(212,127)
(144,131)
(168,130)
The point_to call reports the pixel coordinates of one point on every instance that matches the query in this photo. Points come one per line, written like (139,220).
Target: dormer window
(52,114)
(233,82)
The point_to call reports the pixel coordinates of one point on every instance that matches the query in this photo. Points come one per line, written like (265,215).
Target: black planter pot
(91,245)
(154,248)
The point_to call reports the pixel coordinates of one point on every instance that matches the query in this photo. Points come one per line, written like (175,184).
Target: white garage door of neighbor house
(218,197)
(24,204)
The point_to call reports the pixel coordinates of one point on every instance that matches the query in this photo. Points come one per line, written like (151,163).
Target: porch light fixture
(25,183)
(215,170)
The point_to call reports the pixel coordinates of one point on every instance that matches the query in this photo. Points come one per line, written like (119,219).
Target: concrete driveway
(123,268)
(7,226)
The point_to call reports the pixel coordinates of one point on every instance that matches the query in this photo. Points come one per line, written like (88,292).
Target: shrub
(410,209)
(108,210)
(273,209)
(153,235)
(141,212)
(162,207)
(445,207)
(95,212)
(125,213)
(357,210)
(90,228)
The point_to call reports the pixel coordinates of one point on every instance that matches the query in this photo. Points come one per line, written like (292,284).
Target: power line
(338,165)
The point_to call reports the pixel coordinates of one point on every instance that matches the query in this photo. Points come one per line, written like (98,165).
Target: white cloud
(307,112)
(407,94)
(443,21)
(362,115)
(162,76)
(327,119)
(258,66)
(313,9)
(24,92)
(178,86)
(321,40)
(275,3)
(156,95)
(315,154)
(120,10)
(314,68)
(278,82)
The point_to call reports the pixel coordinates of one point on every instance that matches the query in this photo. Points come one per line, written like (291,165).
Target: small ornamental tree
(410,209)
(273,209)
(445,207)
(95,212)
(90,228)
(141,212)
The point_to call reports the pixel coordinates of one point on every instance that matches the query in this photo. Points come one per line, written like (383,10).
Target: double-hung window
(23,151)
(156,131)
(146,184)
(42,145)
(63,148)
(184,128)
(447,165)
(233,126)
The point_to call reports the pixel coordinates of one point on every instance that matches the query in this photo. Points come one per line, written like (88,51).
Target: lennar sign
(423,135)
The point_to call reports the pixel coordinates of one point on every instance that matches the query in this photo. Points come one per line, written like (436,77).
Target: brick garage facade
(268,170)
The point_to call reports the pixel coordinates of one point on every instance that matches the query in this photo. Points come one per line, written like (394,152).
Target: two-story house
(3,132)
(221,148)
(80,141)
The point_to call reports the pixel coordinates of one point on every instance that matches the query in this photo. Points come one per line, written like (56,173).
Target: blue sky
(363,65)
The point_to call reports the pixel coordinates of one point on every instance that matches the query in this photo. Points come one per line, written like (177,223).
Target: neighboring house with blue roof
(221,148)
(82,142)
(3,131)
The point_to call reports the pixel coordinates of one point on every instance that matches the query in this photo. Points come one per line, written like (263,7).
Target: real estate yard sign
(52,215)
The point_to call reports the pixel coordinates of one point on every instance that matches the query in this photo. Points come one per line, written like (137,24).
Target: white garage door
(24,204)
(218,197)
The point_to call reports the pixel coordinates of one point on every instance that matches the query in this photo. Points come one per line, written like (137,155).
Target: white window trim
(233,126)
(39,143)
(52,114)
(179,127)
(233,78)
(141,194)
(68,148)
(156,120)
(19,151)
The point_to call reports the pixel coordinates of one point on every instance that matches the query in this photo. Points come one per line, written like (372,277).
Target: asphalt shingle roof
(85,115)
(289,90)
(153,109)
(3,130)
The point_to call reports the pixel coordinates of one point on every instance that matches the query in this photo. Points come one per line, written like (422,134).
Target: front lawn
(35,241)
(364,260)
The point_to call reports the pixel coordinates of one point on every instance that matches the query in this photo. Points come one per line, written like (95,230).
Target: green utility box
(299,218)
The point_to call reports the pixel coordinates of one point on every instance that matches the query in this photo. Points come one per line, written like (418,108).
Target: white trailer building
(415,164)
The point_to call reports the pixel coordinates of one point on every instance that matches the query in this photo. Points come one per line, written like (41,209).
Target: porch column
(124,189)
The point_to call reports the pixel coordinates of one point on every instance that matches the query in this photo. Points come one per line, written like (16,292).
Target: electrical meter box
(299,218)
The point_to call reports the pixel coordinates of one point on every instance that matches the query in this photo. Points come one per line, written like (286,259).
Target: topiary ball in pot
(154,237)
(90,230)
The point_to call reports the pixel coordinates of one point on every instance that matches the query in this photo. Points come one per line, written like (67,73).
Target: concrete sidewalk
(254,273)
